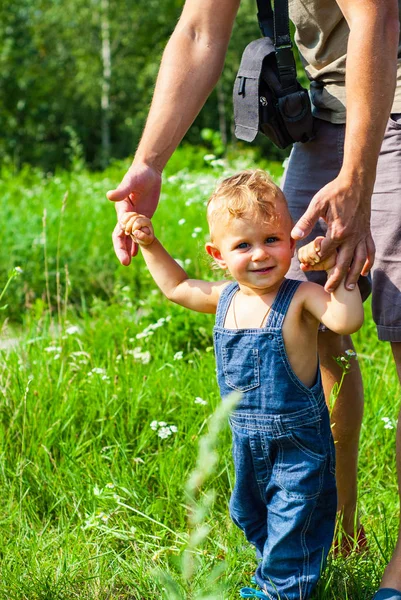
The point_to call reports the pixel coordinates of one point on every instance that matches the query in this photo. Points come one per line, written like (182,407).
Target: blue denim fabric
(284,498)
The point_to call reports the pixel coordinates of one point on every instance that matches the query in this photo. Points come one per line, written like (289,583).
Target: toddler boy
(265,339)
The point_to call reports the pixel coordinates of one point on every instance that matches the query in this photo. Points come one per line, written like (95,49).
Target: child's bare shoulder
(308,293)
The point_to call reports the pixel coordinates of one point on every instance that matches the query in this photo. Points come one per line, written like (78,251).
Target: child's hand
(309,257)
(138,227)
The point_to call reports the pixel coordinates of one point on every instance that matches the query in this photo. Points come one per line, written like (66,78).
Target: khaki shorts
(313,165)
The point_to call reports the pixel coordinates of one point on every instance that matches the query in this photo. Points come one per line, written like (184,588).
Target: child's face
(257,254)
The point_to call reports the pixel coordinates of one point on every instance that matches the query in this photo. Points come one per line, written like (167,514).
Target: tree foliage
(52,73)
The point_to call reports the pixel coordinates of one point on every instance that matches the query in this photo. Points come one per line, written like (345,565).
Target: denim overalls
(284,498)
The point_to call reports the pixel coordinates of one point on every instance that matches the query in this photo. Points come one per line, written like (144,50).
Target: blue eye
(242,245)
(271,240)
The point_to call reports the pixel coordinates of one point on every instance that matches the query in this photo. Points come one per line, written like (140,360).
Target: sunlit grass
(104,399)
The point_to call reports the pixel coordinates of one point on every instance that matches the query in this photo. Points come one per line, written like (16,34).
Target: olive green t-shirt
(321,36)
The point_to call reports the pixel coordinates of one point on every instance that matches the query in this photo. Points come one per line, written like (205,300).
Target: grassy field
(106,390)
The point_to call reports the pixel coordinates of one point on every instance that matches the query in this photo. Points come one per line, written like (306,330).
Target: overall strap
(281,303)
(224,302)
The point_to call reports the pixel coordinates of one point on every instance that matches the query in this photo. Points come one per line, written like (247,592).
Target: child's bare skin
(139,227)
(310,260)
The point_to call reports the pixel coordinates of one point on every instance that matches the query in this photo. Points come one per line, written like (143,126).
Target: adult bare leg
(392,573)
(346,419)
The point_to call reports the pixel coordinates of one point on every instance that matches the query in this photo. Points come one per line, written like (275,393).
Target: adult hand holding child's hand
(139,190)
(310,258)
(138,227)
(346,210)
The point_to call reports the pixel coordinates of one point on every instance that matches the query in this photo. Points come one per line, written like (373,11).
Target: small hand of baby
(309,257)
(138,227)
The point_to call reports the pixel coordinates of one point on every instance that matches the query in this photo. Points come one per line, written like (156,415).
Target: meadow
(106,389)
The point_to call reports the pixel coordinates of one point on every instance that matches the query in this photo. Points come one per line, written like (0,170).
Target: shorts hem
(389,334)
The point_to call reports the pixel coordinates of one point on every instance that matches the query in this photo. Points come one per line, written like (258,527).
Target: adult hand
(345,207)
(139,191)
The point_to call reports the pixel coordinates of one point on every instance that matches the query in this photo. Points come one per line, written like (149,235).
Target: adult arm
(191,65)
(370,83)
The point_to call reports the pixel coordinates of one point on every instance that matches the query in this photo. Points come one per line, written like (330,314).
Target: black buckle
(286,66)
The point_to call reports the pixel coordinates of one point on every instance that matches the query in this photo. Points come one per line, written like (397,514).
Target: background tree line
(77,76)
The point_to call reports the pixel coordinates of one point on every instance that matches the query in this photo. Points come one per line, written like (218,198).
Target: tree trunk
(221,107)
(106,78)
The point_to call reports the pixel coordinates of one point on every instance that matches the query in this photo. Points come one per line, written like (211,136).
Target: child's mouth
(264,270)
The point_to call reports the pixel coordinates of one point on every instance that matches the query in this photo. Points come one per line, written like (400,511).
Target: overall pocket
(302,460)
(241,368)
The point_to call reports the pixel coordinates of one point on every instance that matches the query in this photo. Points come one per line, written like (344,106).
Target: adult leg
(392,574)
(346,419)
(386,299)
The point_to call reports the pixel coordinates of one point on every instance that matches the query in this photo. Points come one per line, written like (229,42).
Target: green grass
(92,502)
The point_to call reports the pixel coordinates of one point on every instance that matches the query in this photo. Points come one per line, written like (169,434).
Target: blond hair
(247,192)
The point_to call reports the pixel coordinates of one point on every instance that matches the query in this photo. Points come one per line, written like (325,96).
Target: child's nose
(259,253)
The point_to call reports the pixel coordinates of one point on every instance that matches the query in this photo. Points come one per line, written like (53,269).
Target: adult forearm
(370,85)
(191,65)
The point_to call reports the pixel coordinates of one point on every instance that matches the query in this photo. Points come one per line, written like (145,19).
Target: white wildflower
(110,486)
(178,355)
(72,330)
(56,349)
(18,270)
(181,222)
(350,353)
(97,491)
(98,371)
(198,230)
(153,425)
(143,334)
(164,432)
(173,428)
(143,357)
(199,400)
(187,261)
(194,235)
(162,424)
(218,163)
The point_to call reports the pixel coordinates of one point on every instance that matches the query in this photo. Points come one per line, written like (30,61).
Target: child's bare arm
(342,310)
(172,280)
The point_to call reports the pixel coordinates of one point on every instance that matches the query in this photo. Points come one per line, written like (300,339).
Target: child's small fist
(138,227)
(310,258)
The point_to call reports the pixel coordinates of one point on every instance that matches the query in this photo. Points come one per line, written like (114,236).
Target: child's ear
(215,253)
